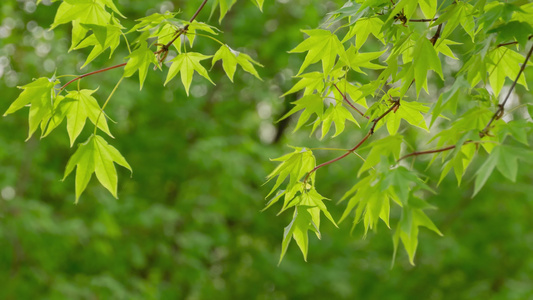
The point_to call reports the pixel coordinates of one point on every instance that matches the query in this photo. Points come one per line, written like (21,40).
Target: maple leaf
(186,64)
(40,96)
(140,60)
(96,156)
(77,106)
(321,45)
(230,58)
(311,104)
(111,41)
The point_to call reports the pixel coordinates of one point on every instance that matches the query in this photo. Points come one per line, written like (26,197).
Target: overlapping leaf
(321,45)
(39,95)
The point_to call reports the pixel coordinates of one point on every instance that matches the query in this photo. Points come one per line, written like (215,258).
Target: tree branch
(350,103)
(501,107)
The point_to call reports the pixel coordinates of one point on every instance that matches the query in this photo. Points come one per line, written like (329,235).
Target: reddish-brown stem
(368,134)
(350,103)
(423,20)
(501,107)
(512,43)
(92,73)
(416,153)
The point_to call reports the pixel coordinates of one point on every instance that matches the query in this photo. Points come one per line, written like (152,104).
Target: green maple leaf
(520,31)
(302,222)
(410,112)
(230,58)
(224,5)
(198,26)
(83,11)
(412,218)
(294,165)
(504,62)
(388,146)
(96,156)
(40,96)
(337,114)
(112,40)
(362,29)
(311,82)
(154,20)
(77,106)
(311,104)
(460,13)
(428,7)
(369,202)
(306,217)
(140,60)
(259,4)
(444,49)
(505,159)
(321,45)
(186,64)
(425,59)
(357,60)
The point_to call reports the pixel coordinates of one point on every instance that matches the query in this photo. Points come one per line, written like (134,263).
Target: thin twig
(423,20)
(368,134)
(350,103)
(499,113)
(91,73)
(512,43)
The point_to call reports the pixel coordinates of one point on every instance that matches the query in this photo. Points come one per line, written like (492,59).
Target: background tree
(187,222)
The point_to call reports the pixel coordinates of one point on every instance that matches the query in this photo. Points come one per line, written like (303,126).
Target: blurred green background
(187,224)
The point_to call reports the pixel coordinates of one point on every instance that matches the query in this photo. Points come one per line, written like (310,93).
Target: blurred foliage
(188,223)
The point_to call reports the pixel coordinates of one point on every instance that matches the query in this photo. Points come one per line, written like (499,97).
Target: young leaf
(388,146)
(362,29)
(296,165)
(112,40)
(187,63)
(140,60)
(504,158)
(410,112)
(311,82)
(297,229)
(84,11)
(96,156)
(230,58)
(311,104)
(425,59)
(407,230)
(337,114)
(82,106)
(504,62)
(224,5)
(40,96)
(321,45)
